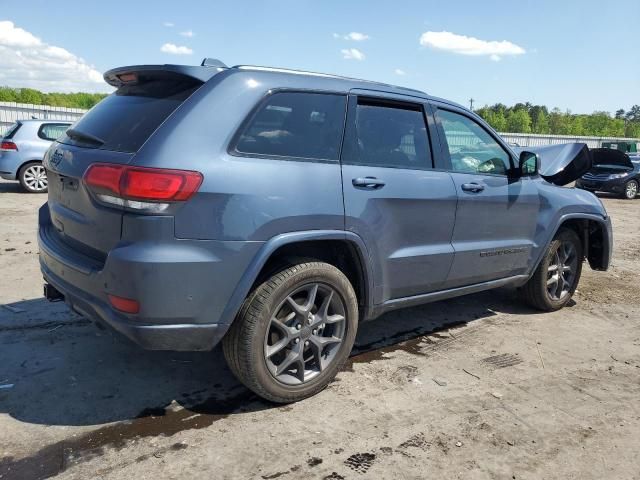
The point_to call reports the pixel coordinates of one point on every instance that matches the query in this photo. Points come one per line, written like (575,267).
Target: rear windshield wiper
(82,136)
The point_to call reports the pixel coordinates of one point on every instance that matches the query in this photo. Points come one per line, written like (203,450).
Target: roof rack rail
(212,62)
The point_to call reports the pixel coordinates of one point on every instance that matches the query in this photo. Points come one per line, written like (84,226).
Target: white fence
(533,140)
(10,112)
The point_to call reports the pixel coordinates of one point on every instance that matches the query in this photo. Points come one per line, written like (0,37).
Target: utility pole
(471,104)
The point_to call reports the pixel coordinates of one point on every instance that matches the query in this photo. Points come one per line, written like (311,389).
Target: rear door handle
(370,183)
(472,187)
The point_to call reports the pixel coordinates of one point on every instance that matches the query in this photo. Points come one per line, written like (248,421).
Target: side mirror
(528,164)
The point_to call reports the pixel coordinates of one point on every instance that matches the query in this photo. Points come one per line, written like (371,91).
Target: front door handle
(472,187)
(370,183)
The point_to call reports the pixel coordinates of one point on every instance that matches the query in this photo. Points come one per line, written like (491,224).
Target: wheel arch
(595,234)
(344,250)
(25,163)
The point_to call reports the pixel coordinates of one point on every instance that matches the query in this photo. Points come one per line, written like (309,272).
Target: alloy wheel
(35,178)
(631,190)
(305,334)
(561,273)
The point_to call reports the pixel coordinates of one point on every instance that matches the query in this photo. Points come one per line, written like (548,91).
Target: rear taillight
(141,188)
(8,146)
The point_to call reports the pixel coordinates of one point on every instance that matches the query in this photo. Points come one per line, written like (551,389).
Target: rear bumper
(183,286)
(177,337)
(9,164)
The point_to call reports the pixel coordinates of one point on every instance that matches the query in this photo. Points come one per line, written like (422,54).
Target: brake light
(128,77)
(126,305)
(153,184)
(105,177)
(8,146)
(141,188)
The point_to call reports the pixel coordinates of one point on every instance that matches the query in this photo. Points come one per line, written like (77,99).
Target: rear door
(111,132)
(497,216)
(394,199)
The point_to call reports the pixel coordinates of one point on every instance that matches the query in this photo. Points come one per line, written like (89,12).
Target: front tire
(558,274)
(294,332)
(33,178)
(630,190)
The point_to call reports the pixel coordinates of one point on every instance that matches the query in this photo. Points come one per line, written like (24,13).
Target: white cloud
(400,72)
(188,34)
(355,36)
(168,24)
(172,49)
(352,54)
(463,45)
(27,61)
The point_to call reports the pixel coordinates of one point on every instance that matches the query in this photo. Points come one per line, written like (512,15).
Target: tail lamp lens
(132,186)
(8,146)
(152,184)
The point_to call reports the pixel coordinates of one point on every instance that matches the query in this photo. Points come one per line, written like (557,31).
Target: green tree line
(528,118)
(36,97)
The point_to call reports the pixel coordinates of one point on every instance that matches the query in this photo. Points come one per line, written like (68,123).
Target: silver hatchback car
(22,149)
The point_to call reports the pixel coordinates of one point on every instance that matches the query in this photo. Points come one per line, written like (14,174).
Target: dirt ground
(478,387)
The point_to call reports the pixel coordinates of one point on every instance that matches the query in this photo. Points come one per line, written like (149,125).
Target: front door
(394,199)
(496,218)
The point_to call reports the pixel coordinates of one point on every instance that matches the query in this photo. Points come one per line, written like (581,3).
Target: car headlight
(619,175)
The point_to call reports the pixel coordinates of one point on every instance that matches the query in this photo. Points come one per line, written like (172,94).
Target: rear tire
(294,332)
(33,177)
(630,190)
(556,278)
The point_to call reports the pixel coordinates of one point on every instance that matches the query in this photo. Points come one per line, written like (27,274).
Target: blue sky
(577,55)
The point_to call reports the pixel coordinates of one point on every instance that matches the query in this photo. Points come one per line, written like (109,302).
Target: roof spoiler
(135,74)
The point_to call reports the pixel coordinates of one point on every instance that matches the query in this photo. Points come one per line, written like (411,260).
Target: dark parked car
(612,172)
(275,209)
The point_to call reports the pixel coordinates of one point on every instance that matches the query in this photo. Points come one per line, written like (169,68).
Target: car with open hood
(274,210)
(613,172)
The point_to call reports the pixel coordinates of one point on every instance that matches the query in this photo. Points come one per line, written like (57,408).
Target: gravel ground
(478,387)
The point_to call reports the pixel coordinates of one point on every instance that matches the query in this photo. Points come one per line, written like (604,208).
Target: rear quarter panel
(241,198)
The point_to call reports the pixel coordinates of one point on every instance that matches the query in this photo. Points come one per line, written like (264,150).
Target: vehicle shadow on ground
(11,187)
(66,371)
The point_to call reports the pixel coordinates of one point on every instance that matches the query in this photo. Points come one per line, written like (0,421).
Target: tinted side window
(389,136)
(471,148)
(51,131)
(296,124)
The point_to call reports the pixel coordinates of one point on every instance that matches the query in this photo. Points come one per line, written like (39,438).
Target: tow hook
(52,294)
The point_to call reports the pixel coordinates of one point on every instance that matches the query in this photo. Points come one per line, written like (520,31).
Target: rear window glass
(11,131)
(126,119)
(296,124)
(51,131)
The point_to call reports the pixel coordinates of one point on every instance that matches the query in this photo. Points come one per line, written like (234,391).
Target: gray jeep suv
(274,210)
